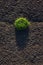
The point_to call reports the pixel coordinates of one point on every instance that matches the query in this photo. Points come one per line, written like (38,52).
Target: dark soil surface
(21,47)
(11,9)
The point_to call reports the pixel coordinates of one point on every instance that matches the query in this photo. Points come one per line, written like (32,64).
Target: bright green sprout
(21,23)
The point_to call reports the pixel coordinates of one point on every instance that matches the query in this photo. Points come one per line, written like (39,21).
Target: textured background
(21,48)
(11,9)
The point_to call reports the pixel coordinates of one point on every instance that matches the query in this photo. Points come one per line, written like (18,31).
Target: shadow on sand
(21,38)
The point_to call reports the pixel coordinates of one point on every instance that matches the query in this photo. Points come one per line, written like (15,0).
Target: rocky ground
(21,47)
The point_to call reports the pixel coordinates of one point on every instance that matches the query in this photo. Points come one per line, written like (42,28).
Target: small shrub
(21,23)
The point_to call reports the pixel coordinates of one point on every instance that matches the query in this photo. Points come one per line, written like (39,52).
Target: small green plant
(21,23)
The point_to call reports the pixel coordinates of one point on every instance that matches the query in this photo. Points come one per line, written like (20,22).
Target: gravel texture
(12,9)
(21,47)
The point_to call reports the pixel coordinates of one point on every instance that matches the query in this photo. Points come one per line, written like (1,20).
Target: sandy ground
(21,47)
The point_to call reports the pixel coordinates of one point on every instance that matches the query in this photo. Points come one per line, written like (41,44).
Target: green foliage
(21,23)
